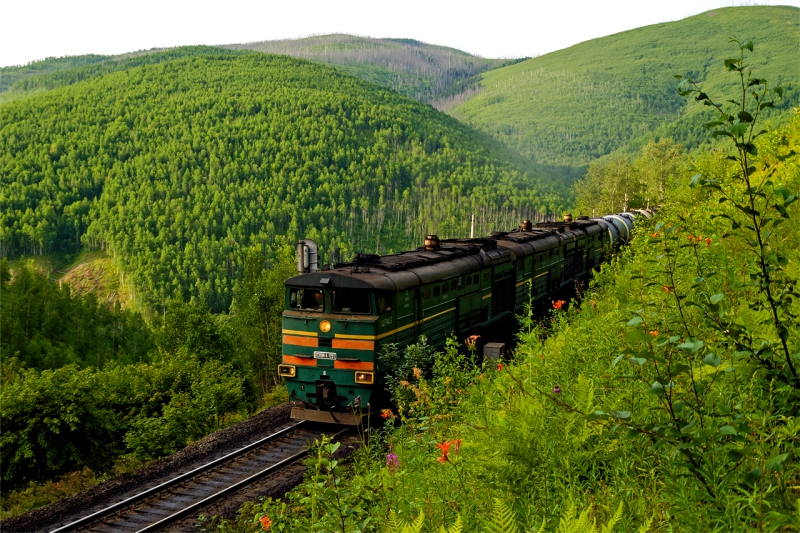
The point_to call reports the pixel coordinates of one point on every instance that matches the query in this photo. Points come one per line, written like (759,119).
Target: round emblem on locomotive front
(324,326)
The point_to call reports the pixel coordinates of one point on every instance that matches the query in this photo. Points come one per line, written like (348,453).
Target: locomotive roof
(454,257)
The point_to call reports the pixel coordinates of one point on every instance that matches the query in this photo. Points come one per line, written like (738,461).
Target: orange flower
(654,333)
(265,522)
(499,367)
(666,289)
(558,304)
(445,447)
(654,235)
(470,342)
(387,413)
(708,242)
(690,237)
(456,446)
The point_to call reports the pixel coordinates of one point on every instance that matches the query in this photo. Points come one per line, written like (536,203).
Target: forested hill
(575,105)
(54,72)
(178,168)
(426,72)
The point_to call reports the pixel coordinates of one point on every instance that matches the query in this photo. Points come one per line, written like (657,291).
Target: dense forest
(426,72)
(179,166)
(573,106)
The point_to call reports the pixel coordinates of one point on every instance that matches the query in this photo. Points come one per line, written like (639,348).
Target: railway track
(184,496)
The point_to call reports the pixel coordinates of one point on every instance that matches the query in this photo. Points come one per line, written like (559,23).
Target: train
(338,319)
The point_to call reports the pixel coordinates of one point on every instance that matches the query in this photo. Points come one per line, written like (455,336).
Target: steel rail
(227,490)
(182,478)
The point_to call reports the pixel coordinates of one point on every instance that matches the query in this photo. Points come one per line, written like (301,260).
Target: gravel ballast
(212,446)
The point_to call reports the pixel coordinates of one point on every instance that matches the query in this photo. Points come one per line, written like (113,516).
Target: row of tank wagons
(620,225)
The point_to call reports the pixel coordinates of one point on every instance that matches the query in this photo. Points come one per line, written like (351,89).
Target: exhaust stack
(307,256)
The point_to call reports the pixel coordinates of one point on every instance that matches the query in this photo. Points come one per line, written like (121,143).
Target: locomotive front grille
(325,394)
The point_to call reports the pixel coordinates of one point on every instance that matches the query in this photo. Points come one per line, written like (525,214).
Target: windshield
(347,301)
(306,299)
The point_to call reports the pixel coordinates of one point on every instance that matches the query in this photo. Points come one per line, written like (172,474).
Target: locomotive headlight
(324,326)
(287,371)
(365,378)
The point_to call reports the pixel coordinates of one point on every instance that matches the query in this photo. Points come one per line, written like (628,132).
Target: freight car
(338,320)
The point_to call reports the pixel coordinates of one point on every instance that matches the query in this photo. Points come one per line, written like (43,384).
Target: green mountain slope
(575,105)
(422,71)
(52,73)
(179,168)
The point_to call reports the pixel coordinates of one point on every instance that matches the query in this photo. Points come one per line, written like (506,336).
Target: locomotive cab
(331,325)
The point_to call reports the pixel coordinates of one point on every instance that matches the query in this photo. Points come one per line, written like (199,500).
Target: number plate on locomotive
(325,355)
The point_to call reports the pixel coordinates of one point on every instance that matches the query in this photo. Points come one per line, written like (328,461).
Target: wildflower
(708,242)
(499,367)
(387,413)
(556,389)
(445,447)
(593,303)
(417,373)
(392,461)
(558,304)
(541,356)
(654,235)
(456,446)
(654,333)
(265,522)
(470,342)
(690,237)
(666,289)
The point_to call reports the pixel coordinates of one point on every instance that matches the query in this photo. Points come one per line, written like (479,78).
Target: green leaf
(712,360)
(597,415)
(617,359)
(635,321)
(716,298)
(637,361)
(693,182)
(728,430)
(623,415)
(744,116)
(691,344)
(778,91)
(753,475)
(739,129)
(749,45)
(775,462)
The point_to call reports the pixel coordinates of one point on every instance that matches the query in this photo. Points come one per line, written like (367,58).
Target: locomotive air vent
(431,242)
(526,225)
(568,217)
(365,259)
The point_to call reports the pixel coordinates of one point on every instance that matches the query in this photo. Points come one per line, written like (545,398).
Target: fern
(644,528)
(457,527)
(503,519)
(614,519)
(395,525)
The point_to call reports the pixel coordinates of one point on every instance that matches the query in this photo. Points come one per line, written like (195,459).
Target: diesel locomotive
(337,320)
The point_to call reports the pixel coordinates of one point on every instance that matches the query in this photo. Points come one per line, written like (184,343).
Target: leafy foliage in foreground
(573,106)
(178,168)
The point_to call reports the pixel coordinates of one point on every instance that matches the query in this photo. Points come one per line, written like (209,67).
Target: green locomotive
(338,320)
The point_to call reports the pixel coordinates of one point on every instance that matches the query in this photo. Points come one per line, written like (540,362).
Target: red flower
(708,242)
(445,447)
(666,289)
(470,342)
(690,237)
(558,304)
(387,413)
(456,446)
(654,333)
(654,235)
(499,367)
(265,522)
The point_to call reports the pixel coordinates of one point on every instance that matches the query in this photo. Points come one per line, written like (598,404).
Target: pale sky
(35,29)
